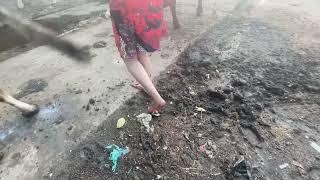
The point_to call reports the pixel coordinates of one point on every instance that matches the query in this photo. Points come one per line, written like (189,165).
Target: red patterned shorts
(137,25)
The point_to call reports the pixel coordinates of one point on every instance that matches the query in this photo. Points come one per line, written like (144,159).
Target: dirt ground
(63,88)
(258,80)
(256,76)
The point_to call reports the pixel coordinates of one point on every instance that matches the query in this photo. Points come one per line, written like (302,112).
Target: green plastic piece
(116,153)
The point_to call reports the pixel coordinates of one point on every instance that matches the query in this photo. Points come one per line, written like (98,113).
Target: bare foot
(156,106)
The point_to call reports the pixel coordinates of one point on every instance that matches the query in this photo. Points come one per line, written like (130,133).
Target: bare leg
(28,110)
(139,73)
(144,59)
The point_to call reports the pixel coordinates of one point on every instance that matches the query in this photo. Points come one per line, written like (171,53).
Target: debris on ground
(282,166)
(121,122)
(92,101)
(115,154)
(200,109)
(295,163)
(238,135)
(315,146)
(156,114)
(240,170)
(100,44)
(145,120)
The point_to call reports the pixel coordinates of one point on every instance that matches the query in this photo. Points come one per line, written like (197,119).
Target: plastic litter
(200,109)
(283,166)
(145,120)
(116,153)
(121,122)
(315,146)
(202,147)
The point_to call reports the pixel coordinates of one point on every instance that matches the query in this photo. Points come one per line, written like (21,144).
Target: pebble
(283,165)
(70,128)
(92,101)
(100,44)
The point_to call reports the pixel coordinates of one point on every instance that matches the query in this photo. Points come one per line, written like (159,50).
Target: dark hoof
(32,113)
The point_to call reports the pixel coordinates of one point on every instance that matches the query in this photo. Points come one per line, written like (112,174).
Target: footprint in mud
(31,86)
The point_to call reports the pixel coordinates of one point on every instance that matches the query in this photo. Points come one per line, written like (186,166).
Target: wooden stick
(26,109)
(32,30)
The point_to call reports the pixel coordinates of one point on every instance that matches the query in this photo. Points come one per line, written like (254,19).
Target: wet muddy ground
(257,77)
(261,97)
(64,89)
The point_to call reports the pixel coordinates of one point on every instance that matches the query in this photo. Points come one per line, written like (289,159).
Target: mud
(255,88)
(31,86)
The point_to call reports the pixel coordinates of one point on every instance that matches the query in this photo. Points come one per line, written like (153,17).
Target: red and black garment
(137,25)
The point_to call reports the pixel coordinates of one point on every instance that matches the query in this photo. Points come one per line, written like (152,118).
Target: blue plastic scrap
(116,153)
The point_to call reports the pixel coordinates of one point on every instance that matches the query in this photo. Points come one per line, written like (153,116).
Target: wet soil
(31,86)
(261,98)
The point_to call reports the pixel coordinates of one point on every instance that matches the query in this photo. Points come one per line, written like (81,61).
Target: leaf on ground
(200,109)
(121,123)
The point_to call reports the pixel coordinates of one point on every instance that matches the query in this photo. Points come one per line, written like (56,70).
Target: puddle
(51,112)
(4,134)
(48,115)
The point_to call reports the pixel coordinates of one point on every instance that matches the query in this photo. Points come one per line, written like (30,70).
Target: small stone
(59,121)
(100,44)
(78,91)
(283,165)
(92,101)
(70,128)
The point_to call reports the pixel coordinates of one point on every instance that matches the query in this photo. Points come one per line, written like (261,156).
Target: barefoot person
(138,27)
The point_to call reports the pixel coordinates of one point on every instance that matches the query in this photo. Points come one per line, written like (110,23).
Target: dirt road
(255,72)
